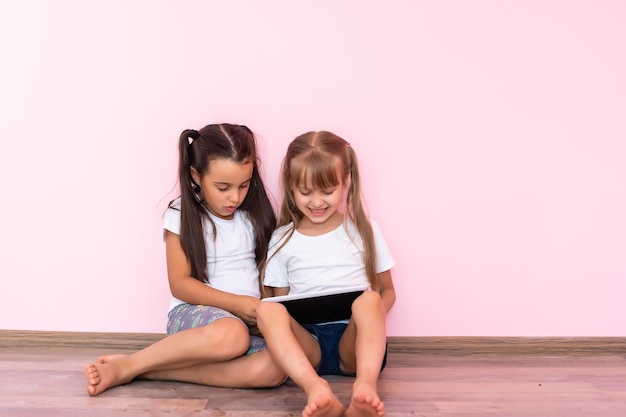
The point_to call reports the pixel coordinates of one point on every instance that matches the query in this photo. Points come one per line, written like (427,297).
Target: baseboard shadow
(24,340)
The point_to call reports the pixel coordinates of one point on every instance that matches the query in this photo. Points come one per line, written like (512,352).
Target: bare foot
(365,402)
(322,403)
(102,376)
(109,358)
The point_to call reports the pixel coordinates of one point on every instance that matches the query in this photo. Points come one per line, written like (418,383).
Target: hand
(254,331)
(246,310)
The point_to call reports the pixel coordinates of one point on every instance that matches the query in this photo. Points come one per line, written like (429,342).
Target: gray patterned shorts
(190,316)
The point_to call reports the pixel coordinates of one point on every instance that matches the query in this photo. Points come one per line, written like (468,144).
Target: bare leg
(248,371)
(362,349)
(294,350)
(220,341)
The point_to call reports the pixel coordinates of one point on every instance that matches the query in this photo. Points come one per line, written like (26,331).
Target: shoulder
(174,204)
(353,233)
(281,235)
(282,230)
(373,223)
(376,230)
(351,227)
(171,218)
(375,226)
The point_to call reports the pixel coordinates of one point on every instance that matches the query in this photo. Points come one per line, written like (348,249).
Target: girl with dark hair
(216,238)
(325,241)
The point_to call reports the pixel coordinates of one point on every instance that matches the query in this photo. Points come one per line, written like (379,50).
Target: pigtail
(357,213)
(288,212)
(261,213)
(192,211)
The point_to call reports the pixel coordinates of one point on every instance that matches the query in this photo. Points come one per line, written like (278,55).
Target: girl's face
(224,186)
(319,205)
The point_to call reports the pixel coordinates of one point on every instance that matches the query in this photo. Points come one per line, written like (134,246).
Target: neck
(309,228)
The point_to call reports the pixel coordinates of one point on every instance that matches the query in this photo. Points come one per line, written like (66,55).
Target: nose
(235,196)
(317,201)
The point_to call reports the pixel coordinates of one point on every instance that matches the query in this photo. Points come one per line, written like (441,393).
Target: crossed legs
(209,355)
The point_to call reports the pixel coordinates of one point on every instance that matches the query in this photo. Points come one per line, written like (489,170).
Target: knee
(274,377)
(268,313)
(369,300)
(266,373)
(229,338)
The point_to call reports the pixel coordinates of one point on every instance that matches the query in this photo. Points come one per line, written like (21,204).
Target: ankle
(312,381)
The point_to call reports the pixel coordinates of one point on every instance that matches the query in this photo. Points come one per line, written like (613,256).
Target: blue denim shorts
(190,316)
(328,336)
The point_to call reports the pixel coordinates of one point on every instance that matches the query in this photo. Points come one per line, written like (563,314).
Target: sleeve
(384,259)
(276,270)
(171,220)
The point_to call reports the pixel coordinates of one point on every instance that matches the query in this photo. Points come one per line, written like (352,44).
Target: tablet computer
(321,306)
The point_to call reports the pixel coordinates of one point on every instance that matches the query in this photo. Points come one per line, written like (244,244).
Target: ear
(195,175)
(348,181)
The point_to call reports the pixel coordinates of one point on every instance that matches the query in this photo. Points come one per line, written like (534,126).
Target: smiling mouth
(317,211)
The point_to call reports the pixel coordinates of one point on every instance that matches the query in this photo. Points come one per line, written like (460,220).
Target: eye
(303,192)
(246,185)
(329,192)
(222,189)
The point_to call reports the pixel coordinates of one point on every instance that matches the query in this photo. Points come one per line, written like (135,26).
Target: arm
(275,291)
(188,289)
(268,292)
(387,291)
(279,290)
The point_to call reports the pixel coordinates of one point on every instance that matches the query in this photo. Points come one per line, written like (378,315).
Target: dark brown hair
(196,150)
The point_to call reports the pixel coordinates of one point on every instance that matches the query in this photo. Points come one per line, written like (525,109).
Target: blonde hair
(314,156)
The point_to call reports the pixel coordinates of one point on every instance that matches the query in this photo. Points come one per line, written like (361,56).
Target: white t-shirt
(318,263)
(231,263)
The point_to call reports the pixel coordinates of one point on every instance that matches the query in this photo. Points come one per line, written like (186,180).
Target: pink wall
(492,136)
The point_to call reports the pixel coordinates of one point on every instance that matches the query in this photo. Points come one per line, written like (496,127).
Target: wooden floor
(41,375)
